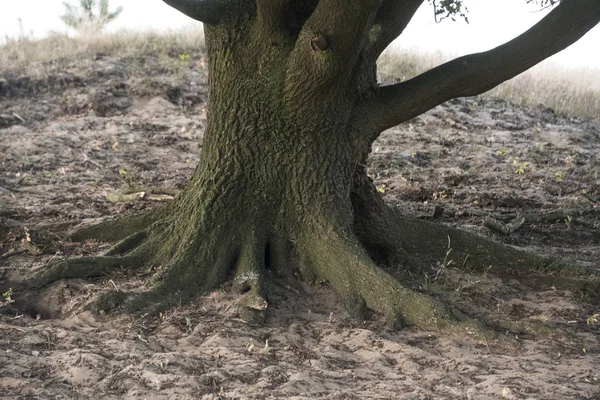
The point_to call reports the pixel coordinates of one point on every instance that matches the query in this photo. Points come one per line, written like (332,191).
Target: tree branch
(477,73)
(391,20)
(207,11)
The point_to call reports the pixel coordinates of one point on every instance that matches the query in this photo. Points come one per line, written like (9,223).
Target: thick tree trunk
(275,176)
(280,187)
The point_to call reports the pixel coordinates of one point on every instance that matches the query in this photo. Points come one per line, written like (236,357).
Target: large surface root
(418,243)
(342,262)
(418,246)
(83,268)
(113,230)
(192,263)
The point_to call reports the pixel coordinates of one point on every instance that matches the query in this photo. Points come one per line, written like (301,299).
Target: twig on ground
(152,194)
(87,159)
(151,190)
(11,253)
(504,228)
(8,213)
(6,191)
(509,223)
(18,117)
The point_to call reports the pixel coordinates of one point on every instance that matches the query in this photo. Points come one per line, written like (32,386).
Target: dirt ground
(80,133)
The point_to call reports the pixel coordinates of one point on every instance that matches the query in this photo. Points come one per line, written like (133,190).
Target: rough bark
(280,188)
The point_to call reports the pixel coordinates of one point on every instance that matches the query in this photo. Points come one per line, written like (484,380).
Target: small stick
(19,117)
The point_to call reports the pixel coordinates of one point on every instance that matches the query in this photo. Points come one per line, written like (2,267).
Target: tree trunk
(274,179)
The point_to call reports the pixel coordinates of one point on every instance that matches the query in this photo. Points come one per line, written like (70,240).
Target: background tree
(90,16)
(281,189)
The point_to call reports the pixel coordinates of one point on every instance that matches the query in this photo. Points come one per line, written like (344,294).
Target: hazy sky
(492,22)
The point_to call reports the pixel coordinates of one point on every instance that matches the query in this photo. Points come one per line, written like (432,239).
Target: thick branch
(207,11)
(477,73)
(391,20)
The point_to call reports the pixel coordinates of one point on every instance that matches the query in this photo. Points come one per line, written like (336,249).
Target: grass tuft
(30,55)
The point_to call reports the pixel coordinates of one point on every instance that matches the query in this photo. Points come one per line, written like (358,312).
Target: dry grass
(30,55)
(570,92)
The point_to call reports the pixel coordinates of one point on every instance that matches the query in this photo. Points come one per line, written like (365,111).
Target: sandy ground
(108,125)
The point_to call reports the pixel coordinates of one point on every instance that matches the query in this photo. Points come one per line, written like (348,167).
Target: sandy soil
(110,125)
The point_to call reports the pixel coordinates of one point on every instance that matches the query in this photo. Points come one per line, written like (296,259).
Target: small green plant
(503,152)
(440,195)
(184,58)
(559,176)
(568,221)
(438,272)
(7,296)
(593,319)
(539,147)
(521,166)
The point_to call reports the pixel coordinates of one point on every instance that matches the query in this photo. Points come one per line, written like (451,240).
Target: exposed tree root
(113,230)
(348,269)
(12,253)
(197,254)
(531,327)
(577,216)
(84,267)
(8,213)
(128,244)
(379,227)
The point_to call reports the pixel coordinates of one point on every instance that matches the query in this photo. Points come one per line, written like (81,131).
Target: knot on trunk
(319,42)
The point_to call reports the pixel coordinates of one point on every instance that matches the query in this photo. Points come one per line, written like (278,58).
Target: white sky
(492,22)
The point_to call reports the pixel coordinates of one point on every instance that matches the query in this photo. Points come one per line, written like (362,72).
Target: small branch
(18,117)
(506,224)
(129,197)
(501,227)
(11,253)
(477,73)
(207,11)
